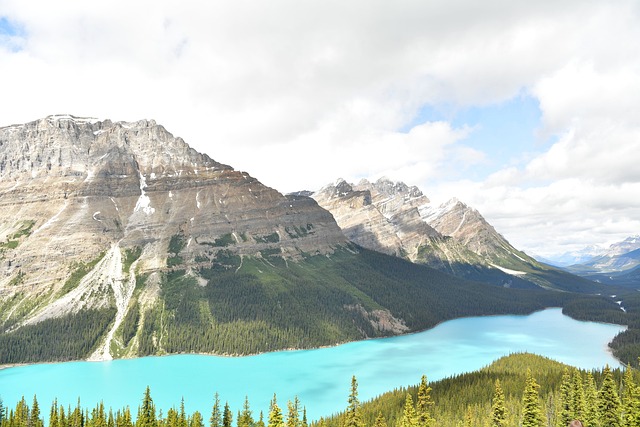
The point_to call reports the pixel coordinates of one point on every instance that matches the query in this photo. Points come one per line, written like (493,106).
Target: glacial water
(320,378)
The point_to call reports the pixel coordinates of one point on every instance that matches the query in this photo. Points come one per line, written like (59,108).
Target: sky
(528,111)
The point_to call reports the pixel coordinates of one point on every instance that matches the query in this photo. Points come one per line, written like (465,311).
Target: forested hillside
(247,305)
(517,390)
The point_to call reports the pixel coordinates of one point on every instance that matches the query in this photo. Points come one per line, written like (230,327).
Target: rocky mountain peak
(390,188)
(342,188)
(78,192)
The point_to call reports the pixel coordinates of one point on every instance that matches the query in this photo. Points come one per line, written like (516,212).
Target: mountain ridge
(398,219)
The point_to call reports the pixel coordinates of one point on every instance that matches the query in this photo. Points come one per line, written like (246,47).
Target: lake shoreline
(226,355)
(319,375)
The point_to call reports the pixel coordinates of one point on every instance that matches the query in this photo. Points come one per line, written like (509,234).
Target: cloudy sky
(528,111)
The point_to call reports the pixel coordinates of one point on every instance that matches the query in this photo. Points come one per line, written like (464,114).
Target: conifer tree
(146,412)
(260,422)
(352,416)
(608,401)
(21,418)
(409,415)
(196,420)
(498,409)
(577,396)
(126,418)
(98,416)
(564,410)
(227,416)
(531,412)
(216,415)
(34,417)
(62,418)
(304,422)
(468,417)
(172,418)
(293,413)
(425,405)
(380,421)
(630,400)
(275,415)
(2,411)
(182,415)
(245,418)
(53,414)
(590,418)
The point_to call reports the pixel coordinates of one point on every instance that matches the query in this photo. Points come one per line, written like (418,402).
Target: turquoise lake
(320,378)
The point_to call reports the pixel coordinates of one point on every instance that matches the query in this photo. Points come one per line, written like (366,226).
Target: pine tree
(227,416)
(498,409)
(304,422)
(630,400)
(468,417)
(425,405)
(293,414)
(146,412)
(182,415)
(22,414)
(245,418)
(196,420)
(2,411)
(590,418)
(216,415)
(380,421)
(34,416)
(608,401)
(564,412)
(409,415)
(53,414)
(126,420)
(353,418)
(260,422)
(275,415)
(577,396)
(172,418)
(531,412)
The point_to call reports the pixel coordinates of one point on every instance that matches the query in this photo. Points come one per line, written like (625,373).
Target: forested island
(520,389)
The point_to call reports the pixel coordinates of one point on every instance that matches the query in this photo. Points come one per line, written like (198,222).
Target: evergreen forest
(517,390)
(245,305)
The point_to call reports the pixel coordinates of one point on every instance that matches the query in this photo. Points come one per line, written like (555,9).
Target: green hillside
(563,393)
(250,304)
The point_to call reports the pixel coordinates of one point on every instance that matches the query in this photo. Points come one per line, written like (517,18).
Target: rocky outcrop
(78,196)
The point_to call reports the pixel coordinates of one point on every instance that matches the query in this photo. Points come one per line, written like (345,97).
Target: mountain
(573,257)
(397,219)
(618,264)
(117,240)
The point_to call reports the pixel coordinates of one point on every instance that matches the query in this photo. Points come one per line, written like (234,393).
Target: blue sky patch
(507,133)
(8,28)
(11,34)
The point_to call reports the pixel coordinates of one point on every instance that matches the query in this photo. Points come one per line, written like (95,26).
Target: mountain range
(118,240)
(617,264)
(396,219)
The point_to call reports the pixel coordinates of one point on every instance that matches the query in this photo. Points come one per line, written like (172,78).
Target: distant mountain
(117,239)
(613,264)
(398,219)
(574,257)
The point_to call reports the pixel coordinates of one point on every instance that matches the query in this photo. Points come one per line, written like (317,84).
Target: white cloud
(300,93)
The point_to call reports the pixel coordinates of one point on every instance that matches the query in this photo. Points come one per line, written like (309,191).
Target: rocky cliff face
(79,196)
(383,216)
(397,219)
